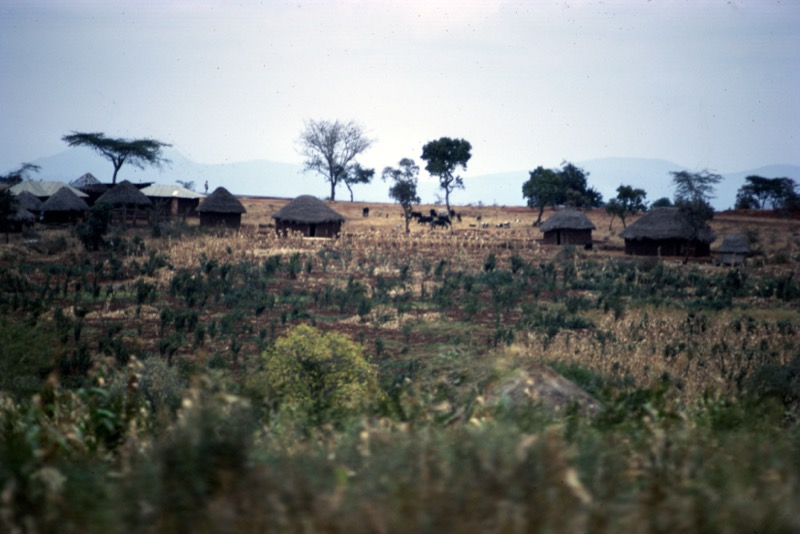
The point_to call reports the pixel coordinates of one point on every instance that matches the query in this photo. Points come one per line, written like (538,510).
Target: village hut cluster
(60,203)
(659,232)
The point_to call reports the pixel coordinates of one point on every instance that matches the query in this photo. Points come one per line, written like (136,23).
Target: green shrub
(322,375)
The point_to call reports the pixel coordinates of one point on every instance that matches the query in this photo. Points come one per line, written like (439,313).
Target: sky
(707,84)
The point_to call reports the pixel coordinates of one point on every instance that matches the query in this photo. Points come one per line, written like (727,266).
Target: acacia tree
(404,186)
(443,157)
(628,202)
(763,193)
(356,174)
(693,193)
(17,175)
(138,152)
(330,148)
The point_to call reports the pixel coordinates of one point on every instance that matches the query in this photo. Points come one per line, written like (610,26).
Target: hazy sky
(711,84)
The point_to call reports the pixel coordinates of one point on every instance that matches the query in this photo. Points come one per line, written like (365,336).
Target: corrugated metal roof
(170,191)
(44,189)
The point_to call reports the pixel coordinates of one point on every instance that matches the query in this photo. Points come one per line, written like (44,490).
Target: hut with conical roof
(221,208)
(733,250)
(666,232)
(310,216)
(29,202)
(64,207)
(568,227)
(126,200)
(90,185)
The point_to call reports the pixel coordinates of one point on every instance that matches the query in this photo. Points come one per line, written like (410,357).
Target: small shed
(173,200)
(221,208)
(733,250)
(666,232)
(64,207)
(20,219)
(127,200)
(568,227)
(310,216)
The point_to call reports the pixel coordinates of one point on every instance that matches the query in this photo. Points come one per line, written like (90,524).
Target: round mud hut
(221,208)
(568,227)
(126,200)
(64,207)
(733,250)
(666,232)
(309,216)
(91,186)
(30,202)
(174,200)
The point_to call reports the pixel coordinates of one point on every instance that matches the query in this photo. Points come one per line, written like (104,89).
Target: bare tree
(330,148)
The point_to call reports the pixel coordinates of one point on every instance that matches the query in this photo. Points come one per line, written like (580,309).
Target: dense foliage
(205,383)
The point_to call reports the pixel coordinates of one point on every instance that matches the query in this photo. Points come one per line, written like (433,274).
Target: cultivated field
(170,381)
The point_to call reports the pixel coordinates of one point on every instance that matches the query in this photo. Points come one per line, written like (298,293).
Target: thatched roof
(734,243)
(29,201)
(43,189)
(170,191)
(664,223)
(124,194)
(221,201)
(568,219)
(64,200)
(307,209)
(87,180)
(23,215)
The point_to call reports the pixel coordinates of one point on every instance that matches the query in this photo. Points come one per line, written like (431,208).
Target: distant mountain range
(269,178)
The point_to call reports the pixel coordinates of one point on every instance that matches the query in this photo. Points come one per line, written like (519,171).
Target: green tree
(17,175)
(542,189)
(404,186)
(330,148)
(324,376)
(629,201)
(663,202)
(767,193)
(559,187)
(138,152)
(356,174)
(443,157)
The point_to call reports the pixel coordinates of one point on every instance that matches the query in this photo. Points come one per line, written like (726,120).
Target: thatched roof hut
(64,206)
(221,208)
(666,232)
(173,199)
(126,200)
(568,227)
(733,250)
(29,202)
(43,190)
(87,180)
(310,216)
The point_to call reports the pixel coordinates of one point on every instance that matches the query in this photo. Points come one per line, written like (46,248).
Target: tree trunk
(333,190)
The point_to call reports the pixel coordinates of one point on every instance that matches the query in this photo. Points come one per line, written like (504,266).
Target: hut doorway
(312,230)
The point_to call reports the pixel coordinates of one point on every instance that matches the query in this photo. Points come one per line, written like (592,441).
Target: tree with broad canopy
(137,152)
(764,193)
(443,157)
(559,187)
